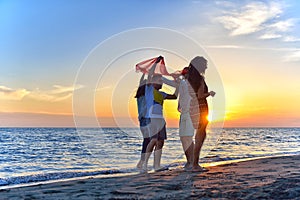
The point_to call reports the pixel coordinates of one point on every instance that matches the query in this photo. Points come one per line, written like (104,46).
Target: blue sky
(38,37)
(46,37)
(43,43)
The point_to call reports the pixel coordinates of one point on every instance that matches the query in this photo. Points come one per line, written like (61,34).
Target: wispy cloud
(284,49)
(58,93)
(58,89)
(270,35)
(292,57)
(290,54)
(283,25)
(291,39)
(250,18)
(104,88)
(7,93)
(264,18)
(224,47)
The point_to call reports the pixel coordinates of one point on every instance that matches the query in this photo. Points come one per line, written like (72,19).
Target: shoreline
(131,172)
(269,178)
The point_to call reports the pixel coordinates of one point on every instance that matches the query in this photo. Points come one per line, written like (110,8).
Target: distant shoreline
(107,127)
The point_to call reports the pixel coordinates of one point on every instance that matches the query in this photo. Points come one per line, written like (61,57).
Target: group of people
(192,91)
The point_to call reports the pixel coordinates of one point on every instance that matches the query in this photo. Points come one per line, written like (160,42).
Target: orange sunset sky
(67,63)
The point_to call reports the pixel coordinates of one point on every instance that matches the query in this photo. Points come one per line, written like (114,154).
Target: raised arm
(151,71)
(175,95)
(171,83)
(142,80)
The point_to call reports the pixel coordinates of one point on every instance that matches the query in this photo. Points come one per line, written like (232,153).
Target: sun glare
(208,118)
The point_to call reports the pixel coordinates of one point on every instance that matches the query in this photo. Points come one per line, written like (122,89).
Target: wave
(45,177)
(59,176)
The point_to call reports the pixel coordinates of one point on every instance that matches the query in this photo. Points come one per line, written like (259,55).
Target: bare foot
(144,168)
(159,169)
(188,167)
(198,168)
(140,164)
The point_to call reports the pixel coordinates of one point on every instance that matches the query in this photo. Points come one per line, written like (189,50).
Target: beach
(264,178)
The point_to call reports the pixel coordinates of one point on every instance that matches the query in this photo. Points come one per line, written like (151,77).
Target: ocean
(38,155)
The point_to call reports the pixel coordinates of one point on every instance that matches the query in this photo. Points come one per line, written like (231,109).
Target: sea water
(33,155)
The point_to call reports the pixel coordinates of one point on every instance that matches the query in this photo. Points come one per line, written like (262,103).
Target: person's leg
(199,140)
(188,148)
(161,137)
(157,154)
(149,150)
(143,153)
(146,141)
(144,127)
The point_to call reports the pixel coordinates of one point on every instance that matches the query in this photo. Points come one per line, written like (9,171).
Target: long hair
(195,78)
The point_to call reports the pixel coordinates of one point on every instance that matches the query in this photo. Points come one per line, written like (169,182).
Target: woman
(186,128)
(198,105)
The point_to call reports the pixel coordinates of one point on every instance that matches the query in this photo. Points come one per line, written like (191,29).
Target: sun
(209,117)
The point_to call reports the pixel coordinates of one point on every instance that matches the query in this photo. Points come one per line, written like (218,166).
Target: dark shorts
(161,135)
(144,121)
(144,127)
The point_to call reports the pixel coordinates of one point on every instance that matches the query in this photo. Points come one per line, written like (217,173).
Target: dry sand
(268,178)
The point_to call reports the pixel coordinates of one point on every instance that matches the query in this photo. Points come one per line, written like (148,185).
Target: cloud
(291,39)
(58,89)
(264,18)
(270,36)
(104,88)
(225,47)
(282,49)
(59,93)
(227,4)
(292,57)
(250,18)
(7,93)
(291,54)
(283,26)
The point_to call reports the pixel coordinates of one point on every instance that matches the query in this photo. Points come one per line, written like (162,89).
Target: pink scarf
(146,65)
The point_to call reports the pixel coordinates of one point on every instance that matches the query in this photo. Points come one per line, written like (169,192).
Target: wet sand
(267,178)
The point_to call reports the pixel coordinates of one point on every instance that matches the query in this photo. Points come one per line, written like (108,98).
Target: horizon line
(93,127)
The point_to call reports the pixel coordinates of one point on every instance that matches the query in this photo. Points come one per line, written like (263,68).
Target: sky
(51,50)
